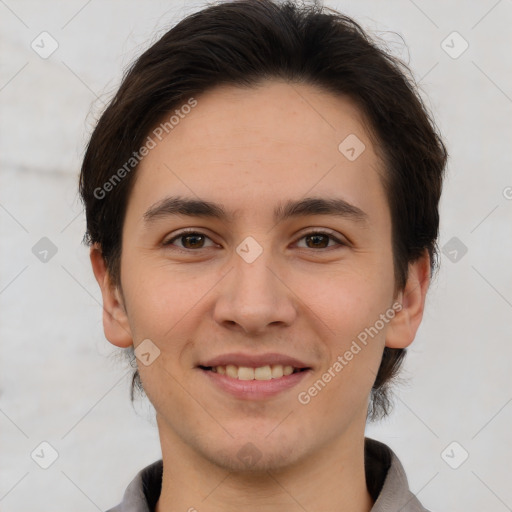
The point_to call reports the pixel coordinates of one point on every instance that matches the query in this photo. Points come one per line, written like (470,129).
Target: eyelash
(169,243)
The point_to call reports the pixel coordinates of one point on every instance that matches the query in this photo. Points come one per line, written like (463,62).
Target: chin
(248,459)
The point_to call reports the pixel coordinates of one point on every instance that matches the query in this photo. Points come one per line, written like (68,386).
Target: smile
(267,372)
(261,383)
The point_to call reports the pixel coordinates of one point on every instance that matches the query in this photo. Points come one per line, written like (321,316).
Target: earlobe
(115,321)
(403,327)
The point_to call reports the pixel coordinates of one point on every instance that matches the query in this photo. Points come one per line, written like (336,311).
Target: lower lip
(255,389)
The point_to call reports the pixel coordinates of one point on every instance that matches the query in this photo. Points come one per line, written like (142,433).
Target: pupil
(188,237)
(316,237)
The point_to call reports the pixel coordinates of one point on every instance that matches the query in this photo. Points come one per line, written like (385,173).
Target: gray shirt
(385,479)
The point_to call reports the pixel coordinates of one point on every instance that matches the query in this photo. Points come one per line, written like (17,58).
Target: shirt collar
(385,479)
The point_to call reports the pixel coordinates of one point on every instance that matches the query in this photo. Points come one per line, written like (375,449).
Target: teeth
(231,371)
(262,373)
(268,372)
(288,370)
(277,371)
(245,373)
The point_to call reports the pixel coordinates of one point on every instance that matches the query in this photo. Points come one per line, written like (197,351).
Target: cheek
(159,297)
(351,306)
(167,307)
(348,301)
(353,336)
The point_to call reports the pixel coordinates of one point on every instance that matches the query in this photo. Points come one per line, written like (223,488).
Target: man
(262,208)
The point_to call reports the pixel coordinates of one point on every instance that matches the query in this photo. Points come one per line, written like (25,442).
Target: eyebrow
(175,205)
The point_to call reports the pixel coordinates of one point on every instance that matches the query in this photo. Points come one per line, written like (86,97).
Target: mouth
(249,376)
(247,373)
(253,377)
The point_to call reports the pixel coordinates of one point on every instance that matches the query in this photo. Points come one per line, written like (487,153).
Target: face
(283,269)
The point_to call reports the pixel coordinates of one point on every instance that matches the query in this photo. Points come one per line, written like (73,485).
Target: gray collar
(385,477)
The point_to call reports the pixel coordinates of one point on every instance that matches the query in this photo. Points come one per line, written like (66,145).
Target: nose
(254,296)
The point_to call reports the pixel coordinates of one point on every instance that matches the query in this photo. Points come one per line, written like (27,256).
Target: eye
(318,239)
(189,239)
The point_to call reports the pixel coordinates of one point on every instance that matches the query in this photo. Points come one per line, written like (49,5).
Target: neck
(331,480)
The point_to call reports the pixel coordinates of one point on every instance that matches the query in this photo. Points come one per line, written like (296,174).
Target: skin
(249,150)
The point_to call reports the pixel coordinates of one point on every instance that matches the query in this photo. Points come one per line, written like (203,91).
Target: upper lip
(254,360)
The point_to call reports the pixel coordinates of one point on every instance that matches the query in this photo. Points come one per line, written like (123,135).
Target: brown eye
(192,241)
(319,240)
(188,240)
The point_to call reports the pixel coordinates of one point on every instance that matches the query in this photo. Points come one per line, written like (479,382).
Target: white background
(58,379)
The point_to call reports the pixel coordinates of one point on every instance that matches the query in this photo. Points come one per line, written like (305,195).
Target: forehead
(249,146)
(229,118)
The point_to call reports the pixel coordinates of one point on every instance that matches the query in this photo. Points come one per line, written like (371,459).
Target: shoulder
(386,480)
(143,491)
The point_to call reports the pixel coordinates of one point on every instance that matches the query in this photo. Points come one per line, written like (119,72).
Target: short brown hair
(243,43)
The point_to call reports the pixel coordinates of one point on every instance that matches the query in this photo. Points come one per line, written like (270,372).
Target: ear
(404,325)
(115,321)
